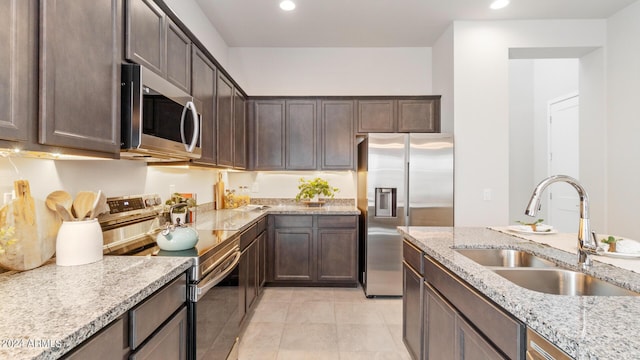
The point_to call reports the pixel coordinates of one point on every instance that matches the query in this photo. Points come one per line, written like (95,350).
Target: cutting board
(28,230)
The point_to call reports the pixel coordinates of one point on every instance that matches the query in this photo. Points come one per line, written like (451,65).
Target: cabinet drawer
(169,343)
(337,221)
(262,224)
(293,221)
(505,332)
(148,316)
(412,256)
(109,343)
(247,236)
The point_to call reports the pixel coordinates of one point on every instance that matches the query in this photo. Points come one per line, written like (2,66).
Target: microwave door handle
(196,126)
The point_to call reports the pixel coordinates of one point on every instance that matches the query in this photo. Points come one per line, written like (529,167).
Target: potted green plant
(310,190)
(180,211)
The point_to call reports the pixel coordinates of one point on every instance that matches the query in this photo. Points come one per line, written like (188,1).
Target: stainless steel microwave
(160,122)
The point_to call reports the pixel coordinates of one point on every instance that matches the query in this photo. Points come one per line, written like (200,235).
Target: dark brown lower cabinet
(412,310)
(293,255)
(109,343)
(169,343)
(471,345)
(312,250)
(439,326)
(249,269)
(156,328)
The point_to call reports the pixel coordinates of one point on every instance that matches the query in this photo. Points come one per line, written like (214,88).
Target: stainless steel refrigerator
(403,179)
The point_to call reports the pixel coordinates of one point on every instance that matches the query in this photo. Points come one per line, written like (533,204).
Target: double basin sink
(535,273)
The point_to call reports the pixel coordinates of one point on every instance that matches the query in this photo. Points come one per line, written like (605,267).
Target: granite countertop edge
(52,334)
(585,327)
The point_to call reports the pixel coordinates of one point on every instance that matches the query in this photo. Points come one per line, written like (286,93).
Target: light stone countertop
(585,327)
(240,218)
(49,310)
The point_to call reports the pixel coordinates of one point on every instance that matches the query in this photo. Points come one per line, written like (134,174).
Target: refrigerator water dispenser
(385,202)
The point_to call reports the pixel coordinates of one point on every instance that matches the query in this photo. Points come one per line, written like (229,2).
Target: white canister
(79,243)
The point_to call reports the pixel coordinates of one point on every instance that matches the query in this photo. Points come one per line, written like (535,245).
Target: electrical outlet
(487,194)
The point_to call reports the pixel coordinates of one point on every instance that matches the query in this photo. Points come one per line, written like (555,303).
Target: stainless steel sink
(561,282)
(505,258)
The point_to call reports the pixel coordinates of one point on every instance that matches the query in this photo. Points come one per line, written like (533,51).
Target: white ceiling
(376,23)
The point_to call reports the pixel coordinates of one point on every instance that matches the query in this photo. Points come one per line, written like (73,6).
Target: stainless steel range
(213,291)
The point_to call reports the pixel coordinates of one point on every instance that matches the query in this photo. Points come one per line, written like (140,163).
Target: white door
(564,159)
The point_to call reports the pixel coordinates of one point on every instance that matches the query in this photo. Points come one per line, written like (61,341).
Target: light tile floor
(323,323)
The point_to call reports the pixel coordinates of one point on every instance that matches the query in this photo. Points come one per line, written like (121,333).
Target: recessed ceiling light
(499,4)
(287,5)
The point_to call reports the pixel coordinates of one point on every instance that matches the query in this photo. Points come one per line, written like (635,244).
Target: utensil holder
(79,243)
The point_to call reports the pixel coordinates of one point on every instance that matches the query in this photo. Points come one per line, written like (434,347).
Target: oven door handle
(200,290)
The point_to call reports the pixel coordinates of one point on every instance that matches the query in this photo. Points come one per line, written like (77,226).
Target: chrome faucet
(587,244)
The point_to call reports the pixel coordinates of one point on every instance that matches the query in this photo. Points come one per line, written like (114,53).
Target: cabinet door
(240,131)
(418,115)
(293,255)
(301,135)
(178,57)
(337,135)
(18,68)
(337,255)
(262,260)
(203,85)
(252,275)
(169,343)
(471,345)
(376,116)
(80,49)
(439,326)
(412,311)
(269,134)
(145,44)
(224,116)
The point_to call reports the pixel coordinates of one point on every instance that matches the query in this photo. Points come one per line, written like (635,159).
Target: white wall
(481,108)
(271,184)
(623,125)
(533,83)
(334,71)
(521,136)
(442,70)
(113,177)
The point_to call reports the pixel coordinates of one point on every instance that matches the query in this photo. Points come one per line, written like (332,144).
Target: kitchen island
(584,327)
(50,310)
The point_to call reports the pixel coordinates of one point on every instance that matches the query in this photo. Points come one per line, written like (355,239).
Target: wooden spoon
(64,200)
(99,205)
(83,203)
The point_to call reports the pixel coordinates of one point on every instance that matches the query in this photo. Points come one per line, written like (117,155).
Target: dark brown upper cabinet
(204,76)
(240,131)
(377,115)
(268,121)
(154,41)
(421,115)
(412,114)
(224,115)
(337,135)
(80,57)
(18,68)
(301,134)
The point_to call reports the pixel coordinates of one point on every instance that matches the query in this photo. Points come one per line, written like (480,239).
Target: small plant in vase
(179,212)
(310,190)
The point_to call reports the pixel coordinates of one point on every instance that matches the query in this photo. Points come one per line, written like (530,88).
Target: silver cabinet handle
(196,126)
